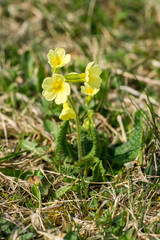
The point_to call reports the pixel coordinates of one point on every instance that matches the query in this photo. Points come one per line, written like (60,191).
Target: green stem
(55,70)
(75,81)
(78,130)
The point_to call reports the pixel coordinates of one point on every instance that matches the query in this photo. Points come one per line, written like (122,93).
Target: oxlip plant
(57,88)
(94,156)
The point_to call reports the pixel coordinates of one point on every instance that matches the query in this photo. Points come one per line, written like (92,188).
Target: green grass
(118,195)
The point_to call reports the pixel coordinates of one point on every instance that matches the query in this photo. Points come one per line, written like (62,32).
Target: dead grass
(90,207)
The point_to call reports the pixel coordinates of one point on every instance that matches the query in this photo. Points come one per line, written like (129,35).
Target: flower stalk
(78,130)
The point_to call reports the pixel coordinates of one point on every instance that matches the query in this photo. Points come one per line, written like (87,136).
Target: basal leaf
(11,156)
(51,127)
(62,190)
(6,227)
(27,236)
(28,64)
(98,172)
(32,147)
(130,150)
(71,236)
(36,192)
(40,76)
(94,152)
(12,172)
(61,142)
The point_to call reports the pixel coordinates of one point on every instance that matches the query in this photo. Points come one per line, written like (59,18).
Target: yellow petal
(67,58)
(60,98)
(89,65)
(67,88)
(56,88)
(65,105)
(49,96)
(95,70)
(95,82)
(67,113)
(88,90)
(48,81)
(52,56)
(60,52)
(57,58)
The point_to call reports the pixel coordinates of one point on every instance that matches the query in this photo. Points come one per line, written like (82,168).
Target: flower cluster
(57,86)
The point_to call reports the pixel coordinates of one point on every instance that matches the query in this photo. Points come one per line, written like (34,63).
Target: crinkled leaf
(61,142)
(130,150)
(62,190)
(98,172)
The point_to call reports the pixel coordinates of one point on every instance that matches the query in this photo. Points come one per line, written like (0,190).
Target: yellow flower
(57,58)
(92,75)
(56,88)
(88,90)
(67,112)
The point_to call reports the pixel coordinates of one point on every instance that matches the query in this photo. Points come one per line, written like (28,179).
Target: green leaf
(36,192)
(28,145)
(120,220)
(93,204)
(44,188)
(98,172)
(11,172)
(130,150)
(11,156)
(51,127)
(27,236)
(61,191)
(86,141)
(68,169)
(22,234)
(32,147)
(94,152)
(40,76)
(16,173)
(29,203)
(6,227)
(86,163)
(20,143)
(71,236)
(129,234)
(61,142)
(28,64)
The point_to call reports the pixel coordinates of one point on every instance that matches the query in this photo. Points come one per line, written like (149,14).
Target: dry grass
(129,200)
